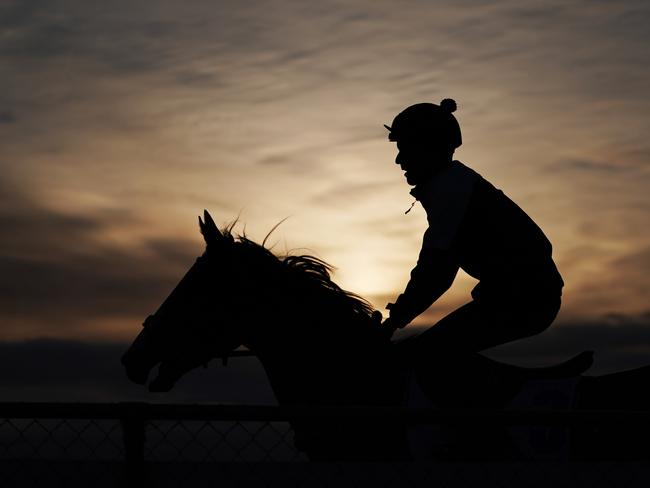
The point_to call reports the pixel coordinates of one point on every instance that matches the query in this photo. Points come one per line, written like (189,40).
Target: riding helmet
(427,122)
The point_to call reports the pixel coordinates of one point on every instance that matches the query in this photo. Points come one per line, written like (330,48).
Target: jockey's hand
(377,318)
(390,325)
(394,322)
(387,329)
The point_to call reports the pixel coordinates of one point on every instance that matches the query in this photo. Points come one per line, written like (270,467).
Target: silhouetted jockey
(473,226)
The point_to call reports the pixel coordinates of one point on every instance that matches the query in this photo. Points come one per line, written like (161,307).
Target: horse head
(196,321)
(223,301)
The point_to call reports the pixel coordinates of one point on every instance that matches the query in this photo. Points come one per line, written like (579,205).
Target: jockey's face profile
(427,136)
(420,158)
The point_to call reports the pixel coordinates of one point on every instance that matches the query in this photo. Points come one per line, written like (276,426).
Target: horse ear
(212,227)
(209,229)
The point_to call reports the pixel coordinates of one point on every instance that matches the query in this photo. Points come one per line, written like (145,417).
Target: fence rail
(80,410)
(117,444)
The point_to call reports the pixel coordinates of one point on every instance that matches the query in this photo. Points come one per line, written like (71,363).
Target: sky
(121,121)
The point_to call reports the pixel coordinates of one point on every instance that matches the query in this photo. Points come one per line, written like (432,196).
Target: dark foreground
(299,474)
(127,444)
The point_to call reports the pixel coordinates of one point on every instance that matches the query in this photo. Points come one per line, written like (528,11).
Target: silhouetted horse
(321,345)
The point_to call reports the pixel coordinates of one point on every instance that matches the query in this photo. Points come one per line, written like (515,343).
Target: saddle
(476,381)
(575,366)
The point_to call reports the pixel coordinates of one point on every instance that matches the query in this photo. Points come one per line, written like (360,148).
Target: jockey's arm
(432,276)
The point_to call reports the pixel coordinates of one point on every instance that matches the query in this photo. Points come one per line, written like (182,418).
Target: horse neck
(292,335)
(313,357)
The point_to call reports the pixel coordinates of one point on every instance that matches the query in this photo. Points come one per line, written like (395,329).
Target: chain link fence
(137,444)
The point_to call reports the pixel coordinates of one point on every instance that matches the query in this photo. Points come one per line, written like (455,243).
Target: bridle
(149,322)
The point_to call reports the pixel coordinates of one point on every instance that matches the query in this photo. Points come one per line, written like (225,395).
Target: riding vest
(486,234)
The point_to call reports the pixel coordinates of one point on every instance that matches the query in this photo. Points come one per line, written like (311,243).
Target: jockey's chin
(411,179)
(420,167)
(416,174)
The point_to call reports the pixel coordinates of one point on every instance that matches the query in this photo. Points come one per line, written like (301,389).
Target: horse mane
(306,271)
(318,271)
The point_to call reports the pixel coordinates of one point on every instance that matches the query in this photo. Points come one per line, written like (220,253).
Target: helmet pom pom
(448,105)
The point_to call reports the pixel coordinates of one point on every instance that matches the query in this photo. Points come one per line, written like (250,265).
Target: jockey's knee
(535,326)
(540,316)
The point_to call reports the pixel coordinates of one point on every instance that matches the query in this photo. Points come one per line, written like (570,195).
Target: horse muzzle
(139,359)
(135,370)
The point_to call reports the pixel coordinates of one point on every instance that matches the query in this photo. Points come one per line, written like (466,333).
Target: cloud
(343,194)
(7,117)
(58,272)
(49,31)
(620,342)
(593,167)
(26,226)
(636,262)
(602,278)
(158,107)
(81,290)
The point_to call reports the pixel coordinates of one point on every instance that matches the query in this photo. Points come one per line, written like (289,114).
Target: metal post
(133,431)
